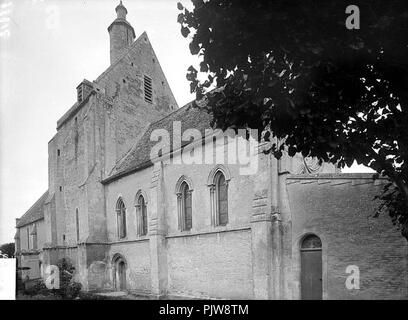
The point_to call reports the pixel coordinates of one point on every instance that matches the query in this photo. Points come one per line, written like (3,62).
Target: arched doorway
(119,273)
(311,268)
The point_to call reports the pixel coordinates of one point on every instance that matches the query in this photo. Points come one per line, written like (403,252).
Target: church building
(132,220)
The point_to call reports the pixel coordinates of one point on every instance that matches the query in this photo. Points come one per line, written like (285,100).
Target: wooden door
(311,268)
(122,276)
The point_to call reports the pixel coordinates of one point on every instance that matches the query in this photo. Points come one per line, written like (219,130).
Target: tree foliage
(293,69)
(7,248)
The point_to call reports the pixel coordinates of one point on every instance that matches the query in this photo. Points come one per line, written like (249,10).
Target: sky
(47,47)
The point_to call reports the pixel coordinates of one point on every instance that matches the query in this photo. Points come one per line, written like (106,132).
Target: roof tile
(35,213)
(190,116)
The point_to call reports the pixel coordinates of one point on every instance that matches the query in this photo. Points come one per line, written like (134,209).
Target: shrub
(72,290)
(68,288)
(38,288)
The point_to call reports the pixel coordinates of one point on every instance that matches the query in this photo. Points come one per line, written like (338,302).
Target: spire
(121,11)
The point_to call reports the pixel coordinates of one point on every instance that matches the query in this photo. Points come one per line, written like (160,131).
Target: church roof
(138,157)
(35,213)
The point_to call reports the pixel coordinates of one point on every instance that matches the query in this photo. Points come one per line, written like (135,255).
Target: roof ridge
(38,200)
(43,196)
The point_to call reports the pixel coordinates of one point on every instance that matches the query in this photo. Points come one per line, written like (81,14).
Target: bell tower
(121,33)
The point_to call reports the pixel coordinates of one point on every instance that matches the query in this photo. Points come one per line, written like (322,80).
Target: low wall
(339,208)
(216,264)
(32,261)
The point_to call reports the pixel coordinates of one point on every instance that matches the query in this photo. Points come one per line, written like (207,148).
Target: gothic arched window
(141,215)
(221,193)
(184,204)
(218,182)
(186,196)
(121,218)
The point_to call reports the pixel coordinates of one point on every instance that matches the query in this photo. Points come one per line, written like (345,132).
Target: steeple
(121,11)
(121,33)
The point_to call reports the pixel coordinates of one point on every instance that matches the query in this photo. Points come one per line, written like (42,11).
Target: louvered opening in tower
(79,94)
(148,91)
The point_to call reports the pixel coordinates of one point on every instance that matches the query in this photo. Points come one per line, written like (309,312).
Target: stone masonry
(100,155)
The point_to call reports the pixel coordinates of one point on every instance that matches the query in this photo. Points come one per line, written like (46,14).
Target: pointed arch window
(221,190)
(187,206)
(141,214)
(121,218)
(184,204)
(218,182)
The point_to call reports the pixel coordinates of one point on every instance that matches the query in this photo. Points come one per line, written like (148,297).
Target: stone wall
(126,188)
(239,197)
(68,169)
(130,114)
(206,261)
(125,78)
(30,256)
(93,135)
(137,256)
(40,225)
(25,239)
(339,209)
(32,261)
(216,265)
(133,248)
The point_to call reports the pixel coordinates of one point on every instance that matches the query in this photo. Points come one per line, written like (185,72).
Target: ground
(86,296)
